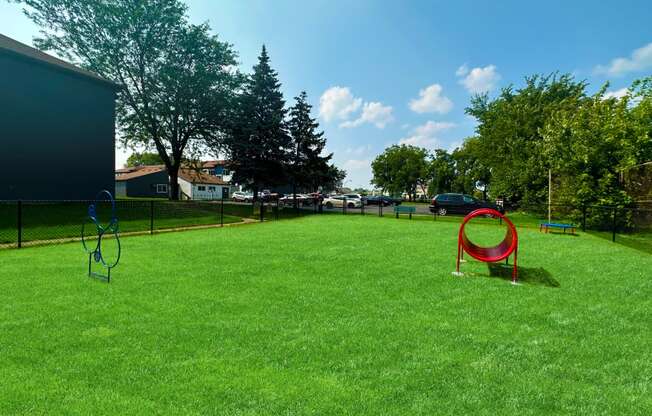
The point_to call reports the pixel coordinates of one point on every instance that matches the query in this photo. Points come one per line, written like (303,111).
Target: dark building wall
(56,132)
(145,186)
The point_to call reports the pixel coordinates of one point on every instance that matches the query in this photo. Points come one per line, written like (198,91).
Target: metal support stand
(95,252)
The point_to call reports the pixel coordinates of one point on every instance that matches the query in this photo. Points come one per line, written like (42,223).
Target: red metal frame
(500,252)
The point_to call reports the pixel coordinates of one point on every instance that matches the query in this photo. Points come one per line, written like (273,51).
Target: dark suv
(444,204)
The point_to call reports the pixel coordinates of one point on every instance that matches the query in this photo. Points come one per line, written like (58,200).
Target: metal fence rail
(46,222)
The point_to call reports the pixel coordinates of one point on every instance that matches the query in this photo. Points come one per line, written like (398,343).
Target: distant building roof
(137,171)
(210,164)
(14,47)
(188,175)
(192,176)
(127,170)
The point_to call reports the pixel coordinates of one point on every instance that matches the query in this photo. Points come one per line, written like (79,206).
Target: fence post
(222,212)
(613,226)
(151,217)
(262,214)
(19,223)
(583,217)
(344,206)
(362,208)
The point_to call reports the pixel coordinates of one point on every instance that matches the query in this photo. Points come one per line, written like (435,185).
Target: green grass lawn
(331,315)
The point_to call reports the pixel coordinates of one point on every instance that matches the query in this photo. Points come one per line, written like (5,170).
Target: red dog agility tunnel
(494,254)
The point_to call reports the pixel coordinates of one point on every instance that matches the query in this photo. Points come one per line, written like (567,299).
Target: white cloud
(373,113)
(478,80)
(431,101)
(338,103)
(357,164)
(640,60)
(462,71)
(426,134)
(616,94)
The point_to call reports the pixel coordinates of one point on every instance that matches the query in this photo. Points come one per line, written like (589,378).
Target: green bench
(399,209)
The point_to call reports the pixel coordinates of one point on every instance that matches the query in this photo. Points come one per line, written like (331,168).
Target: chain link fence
(24,223)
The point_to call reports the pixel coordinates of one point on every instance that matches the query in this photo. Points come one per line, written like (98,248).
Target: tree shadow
(528,275)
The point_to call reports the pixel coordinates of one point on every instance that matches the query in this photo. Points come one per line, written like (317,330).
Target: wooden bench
(546,226)
(399,209)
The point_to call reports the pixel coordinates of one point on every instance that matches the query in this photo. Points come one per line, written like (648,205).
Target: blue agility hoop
(95,251)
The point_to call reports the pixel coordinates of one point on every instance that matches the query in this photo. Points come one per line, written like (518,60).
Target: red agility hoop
(494,254)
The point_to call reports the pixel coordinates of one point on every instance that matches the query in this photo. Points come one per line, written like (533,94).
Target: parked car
(444,204)
(337,201)
(239,196)
(362,199)
(382,199)
(266,195)
(301,199)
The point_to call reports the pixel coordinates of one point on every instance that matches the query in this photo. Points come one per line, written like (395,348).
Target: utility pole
(549,195)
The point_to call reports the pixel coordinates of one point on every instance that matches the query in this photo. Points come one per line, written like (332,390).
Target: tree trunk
(254,189)
(294,194)
(173,172)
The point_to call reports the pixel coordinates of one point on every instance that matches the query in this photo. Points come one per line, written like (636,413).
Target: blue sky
(384,72)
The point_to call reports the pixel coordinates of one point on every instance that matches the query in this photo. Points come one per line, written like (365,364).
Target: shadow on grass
(561,233)
(527,275)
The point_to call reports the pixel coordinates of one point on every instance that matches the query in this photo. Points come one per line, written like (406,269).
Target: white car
(289,199)
(240,196)
(337,201)
(356,196)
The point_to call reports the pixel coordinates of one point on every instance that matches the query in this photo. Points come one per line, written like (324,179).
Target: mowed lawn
(327,315)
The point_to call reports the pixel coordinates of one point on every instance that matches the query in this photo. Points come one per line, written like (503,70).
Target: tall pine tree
(259,141)
(307,169)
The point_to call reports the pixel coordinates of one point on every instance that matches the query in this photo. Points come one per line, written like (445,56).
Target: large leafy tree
(143,159)
(400,169)
(441,172)
(510,142)
(640,104)
(258,142)
(470,171)
(176,79)
(332,178)
(307,168)
(589,146)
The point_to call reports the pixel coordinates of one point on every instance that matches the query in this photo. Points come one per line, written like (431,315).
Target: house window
(162,188)
(211,189)
(201,188)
